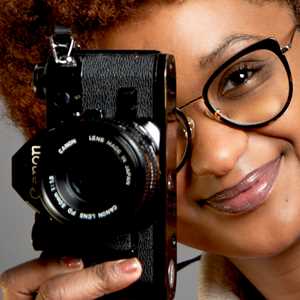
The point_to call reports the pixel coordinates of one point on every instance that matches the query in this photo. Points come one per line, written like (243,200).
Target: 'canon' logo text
(35,157)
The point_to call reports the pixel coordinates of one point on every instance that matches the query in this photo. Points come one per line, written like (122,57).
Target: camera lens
(94,173)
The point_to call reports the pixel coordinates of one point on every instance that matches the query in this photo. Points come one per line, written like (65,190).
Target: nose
(216,147)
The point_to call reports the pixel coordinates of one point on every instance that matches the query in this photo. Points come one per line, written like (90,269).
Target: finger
(92,282)
(22,281)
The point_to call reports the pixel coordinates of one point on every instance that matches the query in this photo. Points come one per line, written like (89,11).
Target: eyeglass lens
(252,89)
(178,141)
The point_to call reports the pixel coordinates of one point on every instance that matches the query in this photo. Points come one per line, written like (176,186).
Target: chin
(256,247)
(269,248)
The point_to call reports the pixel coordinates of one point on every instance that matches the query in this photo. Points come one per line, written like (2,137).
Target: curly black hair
(24,28)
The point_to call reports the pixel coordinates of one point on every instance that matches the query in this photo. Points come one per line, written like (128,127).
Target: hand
(66,279)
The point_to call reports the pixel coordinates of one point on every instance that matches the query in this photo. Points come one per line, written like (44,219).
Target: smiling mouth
(250,193)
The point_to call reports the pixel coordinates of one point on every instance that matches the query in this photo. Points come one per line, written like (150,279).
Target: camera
(102,175)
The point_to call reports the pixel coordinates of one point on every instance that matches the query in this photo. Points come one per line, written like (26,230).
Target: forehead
(193,30)
(198,24)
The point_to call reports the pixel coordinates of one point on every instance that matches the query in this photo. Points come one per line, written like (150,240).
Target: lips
(250,193)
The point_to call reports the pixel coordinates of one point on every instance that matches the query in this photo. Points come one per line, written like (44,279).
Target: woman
(238,193)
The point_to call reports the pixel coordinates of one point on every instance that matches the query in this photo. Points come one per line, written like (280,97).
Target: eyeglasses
(252,88)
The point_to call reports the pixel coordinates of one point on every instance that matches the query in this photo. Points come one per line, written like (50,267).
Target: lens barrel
(98,172)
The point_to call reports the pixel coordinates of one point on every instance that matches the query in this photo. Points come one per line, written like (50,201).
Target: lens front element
(95,173)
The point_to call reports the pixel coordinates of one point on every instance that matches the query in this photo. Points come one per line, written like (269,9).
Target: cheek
(283,210)
(182,191)
(288,126)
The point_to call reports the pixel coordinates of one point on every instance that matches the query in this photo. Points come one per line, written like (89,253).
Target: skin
(263,241)
(67,279)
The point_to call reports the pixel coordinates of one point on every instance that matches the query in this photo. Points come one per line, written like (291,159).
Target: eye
(238,78)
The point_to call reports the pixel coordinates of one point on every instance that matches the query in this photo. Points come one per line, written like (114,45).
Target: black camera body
(102,175)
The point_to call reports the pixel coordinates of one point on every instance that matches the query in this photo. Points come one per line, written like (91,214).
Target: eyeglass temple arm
(189,102)
(289,45)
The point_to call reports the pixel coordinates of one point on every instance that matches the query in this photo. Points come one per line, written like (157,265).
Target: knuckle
(48,292)
(106,276)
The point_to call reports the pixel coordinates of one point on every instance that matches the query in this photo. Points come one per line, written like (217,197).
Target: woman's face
(197,33)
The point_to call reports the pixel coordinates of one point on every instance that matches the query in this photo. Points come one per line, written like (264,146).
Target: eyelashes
(240,79)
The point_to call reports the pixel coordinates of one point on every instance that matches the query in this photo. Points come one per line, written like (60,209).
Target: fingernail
(71,262)
(128,266)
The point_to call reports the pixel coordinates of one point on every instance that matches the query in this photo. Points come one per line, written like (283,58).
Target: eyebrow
(229,41)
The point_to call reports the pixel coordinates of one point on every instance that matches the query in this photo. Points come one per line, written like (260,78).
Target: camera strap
(62,44)
(187,262)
